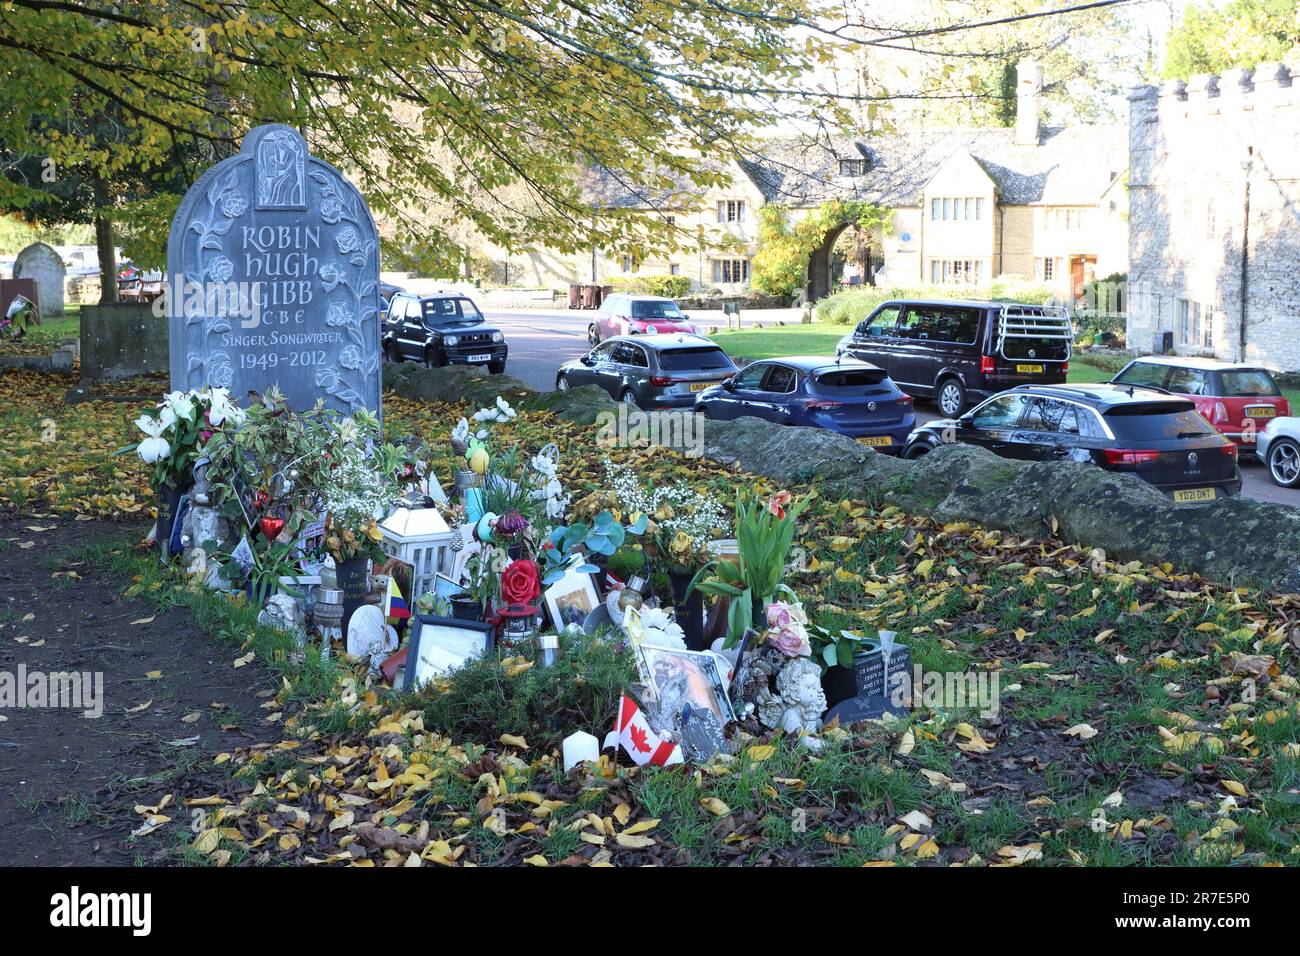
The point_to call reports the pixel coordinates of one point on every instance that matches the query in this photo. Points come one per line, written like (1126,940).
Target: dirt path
(68,782)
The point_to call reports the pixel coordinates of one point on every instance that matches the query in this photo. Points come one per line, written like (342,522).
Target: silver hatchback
(650,371)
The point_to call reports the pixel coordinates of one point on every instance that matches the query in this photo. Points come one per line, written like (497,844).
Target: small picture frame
(571,599)
(445,588)
(681,677)
(441,644)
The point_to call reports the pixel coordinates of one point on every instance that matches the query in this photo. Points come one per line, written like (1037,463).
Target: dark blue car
(847,396)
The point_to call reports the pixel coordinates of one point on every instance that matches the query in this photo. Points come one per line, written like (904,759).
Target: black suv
(446,329)
(958,352)
(1148,432)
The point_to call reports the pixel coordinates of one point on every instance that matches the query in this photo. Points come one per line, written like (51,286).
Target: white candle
(578,747)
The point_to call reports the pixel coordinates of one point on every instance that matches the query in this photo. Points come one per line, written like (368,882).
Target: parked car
(650,371)
(386,292)
(637,315)
(843,395)
(1156,436)
(443,329)
(136,285)
(1235,398)
(960,352)
(1278,447)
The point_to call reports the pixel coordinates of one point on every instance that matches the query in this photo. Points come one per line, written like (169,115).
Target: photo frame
(441,644)
(571,599)
(680,677)
(445,588)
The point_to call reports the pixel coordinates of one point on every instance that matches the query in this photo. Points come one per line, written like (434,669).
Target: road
(542,340)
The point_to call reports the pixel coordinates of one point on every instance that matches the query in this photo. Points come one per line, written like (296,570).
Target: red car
(1236,398)
(638,315)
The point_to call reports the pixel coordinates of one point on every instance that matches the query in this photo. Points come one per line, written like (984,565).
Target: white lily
(154,448)
(504,408)
(181,404)
(221,408)
(544,466)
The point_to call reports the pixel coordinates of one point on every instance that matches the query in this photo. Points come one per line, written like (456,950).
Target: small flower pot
(841,683)
(690,611)
(466,608)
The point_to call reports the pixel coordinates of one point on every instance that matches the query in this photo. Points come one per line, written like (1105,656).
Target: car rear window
(1144,373)
(1150,421)
(707,358)
(1247,382)
(850,379)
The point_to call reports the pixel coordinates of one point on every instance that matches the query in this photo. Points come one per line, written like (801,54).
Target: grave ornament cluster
(273,279)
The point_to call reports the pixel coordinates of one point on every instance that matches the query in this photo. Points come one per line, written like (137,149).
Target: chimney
(1029,83)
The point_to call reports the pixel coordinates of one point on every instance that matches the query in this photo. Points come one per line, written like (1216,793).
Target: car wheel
(918,450)
(562,383)
(593,335)
(432,359)
(704,410)
(496,368)
(951,397)
(1284,463)
(628,397)
(393,353)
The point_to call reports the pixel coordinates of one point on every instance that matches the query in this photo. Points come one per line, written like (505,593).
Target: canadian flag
(642,743)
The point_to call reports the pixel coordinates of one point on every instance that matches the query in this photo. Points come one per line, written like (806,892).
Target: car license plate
(1191,495)
(1261,411)
(700,386)
(1030,369)
(479,358)
(877,440)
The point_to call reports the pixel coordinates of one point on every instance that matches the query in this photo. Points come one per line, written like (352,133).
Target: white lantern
(419,537)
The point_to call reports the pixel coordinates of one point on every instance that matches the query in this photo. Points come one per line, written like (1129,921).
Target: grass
(755,344)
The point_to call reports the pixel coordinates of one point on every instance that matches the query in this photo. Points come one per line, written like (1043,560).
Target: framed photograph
(441,644)
(680,677)
(570,599)
(445,588)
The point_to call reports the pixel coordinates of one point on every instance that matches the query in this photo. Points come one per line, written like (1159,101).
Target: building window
(853,167)
(956,271)
(730,270)
(627,264)
(731,210)
(1047,268)
(1209,219)
(1195,324)
(674,269)
(963,209)
(670,221)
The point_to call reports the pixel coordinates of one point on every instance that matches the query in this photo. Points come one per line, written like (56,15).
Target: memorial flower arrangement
(179,431)
(753,582)
(363,480)
(787,629)
(681,520)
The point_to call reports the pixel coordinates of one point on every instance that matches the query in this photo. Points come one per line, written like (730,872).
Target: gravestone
(42,264)
(273,279)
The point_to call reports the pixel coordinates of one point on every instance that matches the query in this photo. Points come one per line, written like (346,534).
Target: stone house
(1214,208)
(968,205)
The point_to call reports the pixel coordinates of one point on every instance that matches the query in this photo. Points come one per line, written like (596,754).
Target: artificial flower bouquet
(177,433)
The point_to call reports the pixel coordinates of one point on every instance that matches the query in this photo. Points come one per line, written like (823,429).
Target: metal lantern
(419,537)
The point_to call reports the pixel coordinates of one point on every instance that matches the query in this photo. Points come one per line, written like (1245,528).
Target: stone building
(1214,204)
(968,205)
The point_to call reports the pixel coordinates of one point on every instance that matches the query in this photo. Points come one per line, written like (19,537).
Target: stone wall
(1240,540)
(123,340)
(1214,202)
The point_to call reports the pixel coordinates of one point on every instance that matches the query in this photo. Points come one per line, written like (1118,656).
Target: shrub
(855,304)
(670,287)
(543,704)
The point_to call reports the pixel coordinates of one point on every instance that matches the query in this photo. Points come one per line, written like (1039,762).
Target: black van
(960,352)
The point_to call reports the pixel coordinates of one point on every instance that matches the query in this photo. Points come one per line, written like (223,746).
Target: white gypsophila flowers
(698,516)
(500,412)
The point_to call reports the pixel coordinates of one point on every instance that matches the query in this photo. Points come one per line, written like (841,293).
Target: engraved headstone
(44,265)
(273,271)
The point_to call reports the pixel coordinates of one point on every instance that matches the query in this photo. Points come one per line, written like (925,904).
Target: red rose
(520,582)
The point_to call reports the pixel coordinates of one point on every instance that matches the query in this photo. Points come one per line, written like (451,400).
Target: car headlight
(450,339)
(651,330)
(498,337)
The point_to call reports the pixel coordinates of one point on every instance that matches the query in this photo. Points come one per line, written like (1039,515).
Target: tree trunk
(104,245)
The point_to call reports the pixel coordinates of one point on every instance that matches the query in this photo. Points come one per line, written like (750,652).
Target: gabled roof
(1071,166)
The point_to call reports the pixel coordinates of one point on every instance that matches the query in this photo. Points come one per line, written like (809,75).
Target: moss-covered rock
(1238,540)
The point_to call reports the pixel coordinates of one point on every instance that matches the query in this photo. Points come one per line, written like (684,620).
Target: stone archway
(818,282)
